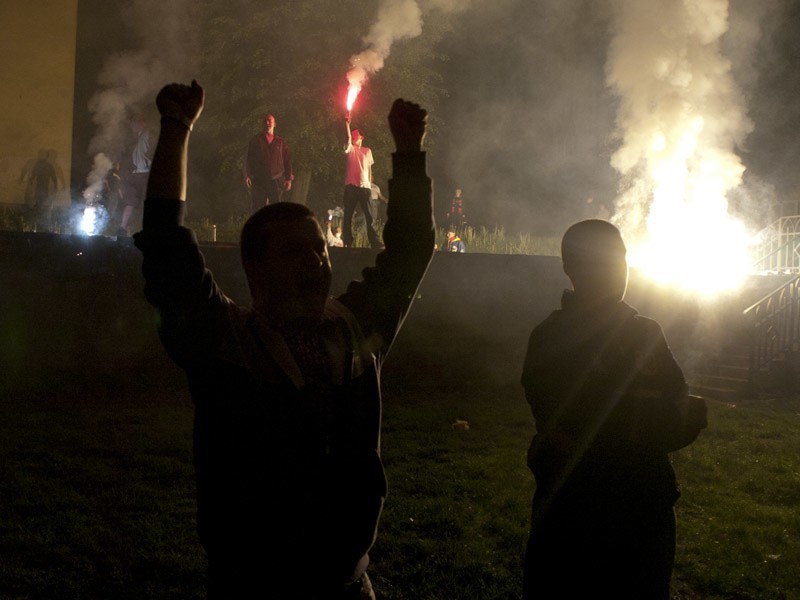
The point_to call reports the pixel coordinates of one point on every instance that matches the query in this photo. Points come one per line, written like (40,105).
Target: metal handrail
(784,231)
(776,325)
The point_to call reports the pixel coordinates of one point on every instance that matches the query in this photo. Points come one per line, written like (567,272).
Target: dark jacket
(287,486)
(610,403)
(265,161)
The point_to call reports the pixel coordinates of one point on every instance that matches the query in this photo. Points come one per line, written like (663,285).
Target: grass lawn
(97,493)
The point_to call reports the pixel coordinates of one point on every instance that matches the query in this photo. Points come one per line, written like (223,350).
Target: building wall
(37,45)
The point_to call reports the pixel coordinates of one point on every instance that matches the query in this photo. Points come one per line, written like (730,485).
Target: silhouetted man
(290,483)
(358,186)
(268,166)
(610,403)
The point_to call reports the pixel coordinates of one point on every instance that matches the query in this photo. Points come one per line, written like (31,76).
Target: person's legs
(364,196)
(349,200)
(274,191)
(259,196)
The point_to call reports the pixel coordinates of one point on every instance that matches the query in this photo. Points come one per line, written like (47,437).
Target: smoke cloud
(396,20)
(165,50)
(681,116)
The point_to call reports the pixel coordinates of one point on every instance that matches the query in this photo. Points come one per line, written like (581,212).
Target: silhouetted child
(290,484)
(610,403)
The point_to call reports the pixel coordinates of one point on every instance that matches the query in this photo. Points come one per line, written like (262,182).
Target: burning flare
(680,118)
(352,93)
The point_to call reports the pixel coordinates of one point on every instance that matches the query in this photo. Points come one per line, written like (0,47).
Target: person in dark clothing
(610,403)
(290,484)
(268,166)
(44,182)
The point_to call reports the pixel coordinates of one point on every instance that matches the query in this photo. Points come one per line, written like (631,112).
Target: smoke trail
(680,119)
(396,20)
(128,81)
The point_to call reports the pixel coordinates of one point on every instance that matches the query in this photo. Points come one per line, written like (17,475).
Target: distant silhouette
(358,186)
(42,178)
(290,484)
(267,166)
(610,403)
(455,215)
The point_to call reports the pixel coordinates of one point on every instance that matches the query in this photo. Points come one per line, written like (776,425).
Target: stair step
(727,370)
(717,393)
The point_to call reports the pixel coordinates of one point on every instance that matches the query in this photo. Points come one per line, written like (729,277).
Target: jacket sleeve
(381,300)
(667,417)
(191,310)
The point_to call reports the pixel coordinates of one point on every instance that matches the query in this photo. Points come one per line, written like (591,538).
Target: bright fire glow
(691,241)
(680,119)
(352,93)
(695,246)
(89,220)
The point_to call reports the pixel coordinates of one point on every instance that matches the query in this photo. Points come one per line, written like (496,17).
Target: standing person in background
(42,183)
(376,199)
(286,390)
(455,215)
(135,175)
(267,167)
(358,186)
(610,404)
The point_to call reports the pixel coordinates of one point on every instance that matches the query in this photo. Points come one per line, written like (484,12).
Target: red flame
(352,92)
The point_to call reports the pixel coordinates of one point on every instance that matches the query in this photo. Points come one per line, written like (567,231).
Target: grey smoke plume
(396,20)
(166,52)
(95,180)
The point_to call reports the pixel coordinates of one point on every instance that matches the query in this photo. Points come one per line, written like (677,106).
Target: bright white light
(89,220)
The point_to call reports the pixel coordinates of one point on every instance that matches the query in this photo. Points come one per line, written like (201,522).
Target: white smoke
(129,81)
(681,118)
(396,20)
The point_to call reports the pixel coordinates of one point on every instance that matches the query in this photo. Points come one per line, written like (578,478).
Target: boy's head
(285,258)
(593,256)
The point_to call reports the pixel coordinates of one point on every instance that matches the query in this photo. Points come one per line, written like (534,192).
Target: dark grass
(97,493)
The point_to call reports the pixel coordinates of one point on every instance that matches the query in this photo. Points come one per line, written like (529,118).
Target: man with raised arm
(358,186)
(290,484)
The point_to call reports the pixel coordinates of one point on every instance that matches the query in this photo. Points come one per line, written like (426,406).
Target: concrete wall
(37,45)
(76,302)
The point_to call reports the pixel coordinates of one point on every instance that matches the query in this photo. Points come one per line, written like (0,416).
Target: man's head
(269,124)
(358,137)
(458,193)
(285,258)
(138,123)
(593,255)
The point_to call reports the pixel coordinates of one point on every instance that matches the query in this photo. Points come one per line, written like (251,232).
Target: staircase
(760,346)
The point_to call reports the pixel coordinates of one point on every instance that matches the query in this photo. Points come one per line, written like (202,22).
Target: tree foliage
(290,60)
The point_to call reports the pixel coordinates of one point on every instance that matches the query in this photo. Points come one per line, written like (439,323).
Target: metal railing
(780,250)
(776,326)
